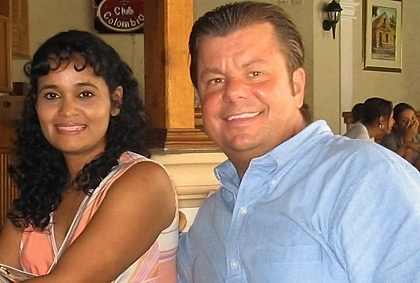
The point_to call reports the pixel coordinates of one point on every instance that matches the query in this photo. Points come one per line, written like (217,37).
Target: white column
(346,57)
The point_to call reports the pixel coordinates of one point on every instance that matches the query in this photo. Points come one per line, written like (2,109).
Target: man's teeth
(242,116)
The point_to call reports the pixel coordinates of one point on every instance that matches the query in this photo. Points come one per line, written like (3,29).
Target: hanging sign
(119,16)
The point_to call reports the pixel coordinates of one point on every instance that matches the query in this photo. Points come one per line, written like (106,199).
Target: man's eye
(85,94)
(255,74)
(215,81)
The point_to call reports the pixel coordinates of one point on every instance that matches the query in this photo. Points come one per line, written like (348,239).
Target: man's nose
(235,89)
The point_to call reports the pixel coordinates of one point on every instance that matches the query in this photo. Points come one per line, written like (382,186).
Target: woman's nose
(68,107)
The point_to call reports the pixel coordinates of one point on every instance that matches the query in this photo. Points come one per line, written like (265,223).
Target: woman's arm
(407,149)
(138,206)
(9,244)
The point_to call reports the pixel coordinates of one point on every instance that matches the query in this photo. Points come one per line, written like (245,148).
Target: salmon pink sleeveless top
(39,253)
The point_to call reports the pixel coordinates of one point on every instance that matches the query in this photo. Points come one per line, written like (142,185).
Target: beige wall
(397,87)
(48,17)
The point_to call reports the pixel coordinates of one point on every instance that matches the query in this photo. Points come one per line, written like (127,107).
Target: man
(297,203)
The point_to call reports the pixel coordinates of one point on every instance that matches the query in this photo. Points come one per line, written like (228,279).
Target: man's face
(249,102)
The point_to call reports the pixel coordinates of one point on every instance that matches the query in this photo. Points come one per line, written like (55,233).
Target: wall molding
(348,15)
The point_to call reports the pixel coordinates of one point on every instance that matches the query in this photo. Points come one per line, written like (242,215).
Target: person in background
(91,205)
(404,138)
(357,112)
(296,202)
(376,120)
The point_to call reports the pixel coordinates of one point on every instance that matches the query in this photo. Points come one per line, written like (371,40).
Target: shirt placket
(235,271)
(245,199)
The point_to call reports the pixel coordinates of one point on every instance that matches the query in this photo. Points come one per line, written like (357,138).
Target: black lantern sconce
(333,10)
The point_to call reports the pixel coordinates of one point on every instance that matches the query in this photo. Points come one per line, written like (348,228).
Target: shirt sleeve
(376,226)
(183,263)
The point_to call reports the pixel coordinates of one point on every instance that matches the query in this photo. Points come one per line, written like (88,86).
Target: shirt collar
(284,155)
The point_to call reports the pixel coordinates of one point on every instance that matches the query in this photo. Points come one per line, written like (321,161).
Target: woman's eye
(51,95)
(85,94)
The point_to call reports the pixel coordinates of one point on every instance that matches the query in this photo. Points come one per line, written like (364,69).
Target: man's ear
(116,100)
(298,84)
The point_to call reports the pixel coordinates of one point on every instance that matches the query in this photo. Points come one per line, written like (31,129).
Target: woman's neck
(374,131)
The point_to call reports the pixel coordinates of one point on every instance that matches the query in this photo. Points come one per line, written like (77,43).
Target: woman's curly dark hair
(39,169)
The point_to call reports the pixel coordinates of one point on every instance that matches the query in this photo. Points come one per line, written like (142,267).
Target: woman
(376,120)
(91,205)
(404,138)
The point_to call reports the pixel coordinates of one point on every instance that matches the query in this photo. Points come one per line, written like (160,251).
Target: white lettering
(107,15)
(113,18)
(130,11)
(117,11)
(133,23)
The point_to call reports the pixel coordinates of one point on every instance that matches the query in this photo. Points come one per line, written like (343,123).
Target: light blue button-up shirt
(318,208)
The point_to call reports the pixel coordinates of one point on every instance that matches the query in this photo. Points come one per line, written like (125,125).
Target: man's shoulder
(355,152)
(211,201)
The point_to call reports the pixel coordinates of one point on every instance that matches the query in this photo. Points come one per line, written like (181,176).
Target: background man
(297,203)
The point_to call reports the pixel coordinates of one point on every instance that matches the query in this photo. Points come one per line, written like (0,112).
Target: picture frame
(382,29)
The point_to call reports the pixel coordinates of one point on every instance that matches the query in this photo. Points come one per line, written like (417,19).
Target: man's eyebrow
(245,64)
(209,71)
(253,62)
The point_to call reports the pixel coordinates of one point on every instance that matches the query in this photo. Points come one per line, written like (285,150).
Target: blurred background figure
(374,118)
(357,112)
(404,138)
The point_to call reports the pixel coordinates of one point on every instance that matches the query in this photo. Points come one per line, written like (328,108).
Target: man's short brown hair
(231,17)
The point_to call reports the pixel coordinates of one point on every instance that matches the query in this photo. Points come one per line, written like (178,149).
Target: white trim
(348,15)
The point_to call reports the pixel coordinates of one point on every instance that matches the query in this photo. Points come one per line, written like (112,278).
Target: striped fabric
(39,252)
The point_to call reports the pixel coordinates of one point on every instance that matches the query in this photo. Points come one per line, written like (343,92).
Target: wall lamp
(333,10)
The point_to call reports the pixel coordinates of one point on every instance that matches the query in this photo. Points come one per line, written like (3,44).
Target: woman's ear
(382,122)
(381,119)
(116,100)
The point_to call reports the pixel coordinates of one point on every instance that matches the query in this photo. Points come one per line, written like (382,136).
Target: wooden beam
(169,94)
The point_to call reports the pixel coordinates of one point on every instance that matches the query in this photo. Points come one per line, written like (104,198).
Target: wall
(192,172)
(129,46)
(77,14)
(397,87)
(322,52)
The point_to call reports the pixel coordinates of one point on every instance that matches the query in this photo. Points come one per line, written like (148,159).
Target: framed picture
(382,35)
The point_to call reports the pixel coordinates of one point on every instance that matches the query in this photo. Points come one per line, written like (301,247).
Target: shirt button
(234,264)
(273,182)
(244,210)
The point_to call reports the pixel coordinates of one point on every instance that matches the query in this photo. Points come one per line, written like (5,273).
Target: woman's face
(74,109)
(406,117)
(389,124)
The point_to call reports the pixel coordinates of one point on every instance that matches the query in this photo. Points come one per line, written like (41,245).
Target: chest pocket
(289,264)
